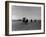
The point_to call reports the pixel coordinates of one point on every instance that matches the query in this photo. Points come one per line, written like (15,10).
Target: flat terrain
(19,25)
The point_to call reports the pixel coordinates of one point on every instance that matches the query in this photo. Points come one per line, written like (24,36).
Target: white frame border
(26,31)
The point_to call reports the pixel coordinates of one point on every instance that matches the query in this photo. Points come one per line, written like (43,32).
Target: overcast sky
(18,12)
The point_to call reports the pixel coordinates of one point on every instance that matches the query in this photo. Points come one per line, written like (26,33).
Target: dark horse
(25,20)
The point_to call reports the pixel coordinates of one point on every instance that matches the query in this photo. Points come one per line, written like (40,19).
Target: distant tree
(31,20)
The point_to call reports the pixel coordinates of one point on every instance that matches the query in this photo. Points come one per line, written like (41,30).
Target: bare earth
(19,25)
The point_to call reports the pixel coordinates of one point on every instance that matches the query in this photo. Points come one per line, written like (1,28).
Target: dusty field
(19,25)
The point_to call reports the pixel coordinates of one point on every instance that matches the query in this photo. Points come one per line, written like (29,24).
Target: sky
(18,12)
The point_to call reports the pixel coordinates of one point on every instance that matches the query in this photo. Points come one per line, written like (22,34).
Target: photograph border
(7,17)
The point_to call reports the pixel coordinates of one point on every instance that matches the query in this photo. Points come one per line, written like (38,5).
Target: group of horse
(25,20)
